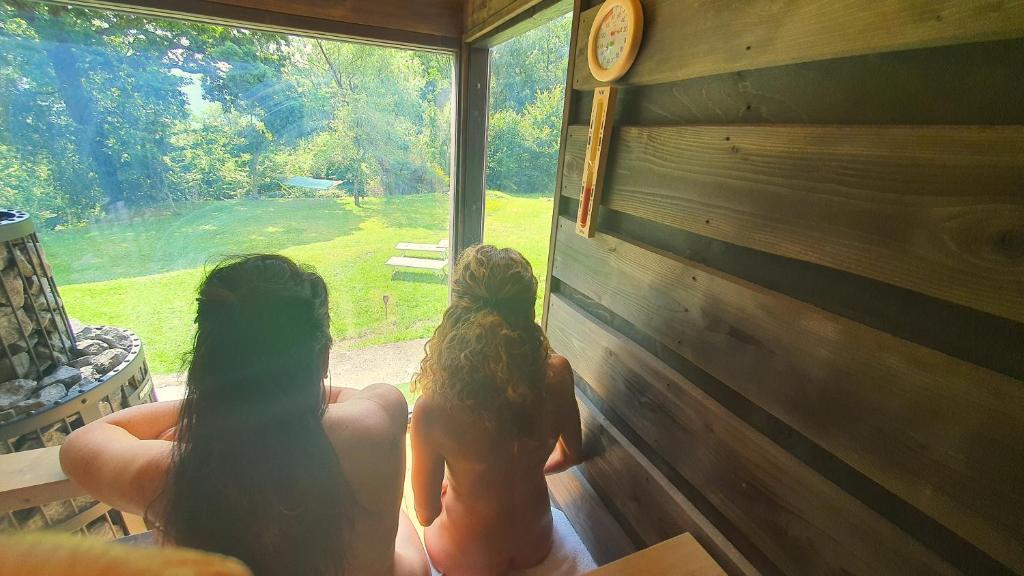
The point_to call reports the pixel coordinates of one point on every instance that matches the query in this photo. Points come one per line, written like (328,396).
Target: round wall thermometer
(615,38)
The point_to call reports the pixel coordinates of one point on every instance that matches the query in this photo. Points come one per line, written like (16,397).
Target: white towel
(568,557)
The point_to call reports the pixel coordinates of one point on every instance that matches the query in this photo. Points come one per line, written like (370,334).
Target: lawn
(142,272)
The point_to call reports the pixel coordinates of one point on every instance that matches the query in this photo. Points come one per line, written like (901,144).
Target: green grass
(142,273)
(524,223)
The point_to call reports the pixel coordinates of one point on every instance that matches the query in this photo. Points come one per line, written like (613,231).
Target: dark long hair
(254,474)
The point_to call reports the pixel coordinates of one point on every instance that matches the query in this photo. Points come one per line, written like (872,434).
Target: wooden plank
(470,146)
(438,17)
(599,532)
(414,247)
(942,434)
(484,16)
(642,498)
(560,181)
(680,556)
(935,209)
(538,15)
(800,520)
(421,263)
(33,478)
(962,84)
(689,38)
(213,12)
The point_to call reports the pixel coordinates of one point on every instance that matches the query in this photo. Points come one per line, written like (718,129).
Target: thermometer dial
(615,39)
(611,37)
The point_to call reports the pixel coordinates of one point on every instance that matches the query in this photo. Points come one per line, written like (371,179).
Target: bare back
(494,513)
(124,459)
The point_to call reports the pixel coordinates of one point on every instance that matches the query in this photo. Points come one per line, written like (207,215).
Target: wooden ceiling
(425,23)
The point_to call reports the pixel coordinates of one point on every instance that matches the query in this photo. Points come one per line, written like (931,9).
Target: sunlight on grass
(142,274)
(524,223)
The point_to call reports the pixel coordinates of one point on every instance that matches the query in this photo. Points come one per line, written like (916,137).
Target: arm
(119,458)
(569,449)
(427,465)
(368,429)
(338,394)
(410,556)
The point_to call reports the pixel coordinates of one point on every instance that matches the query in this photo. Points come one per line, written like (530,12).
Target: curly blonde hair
(488,353)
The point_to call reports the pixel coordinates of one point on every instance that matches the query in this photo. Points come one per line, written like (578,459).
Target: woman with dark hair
(498,412)
(261,461)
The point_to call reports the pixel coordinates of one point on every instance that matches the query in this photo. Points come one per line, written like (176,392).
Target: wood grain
(801,521)
(680,556)
(483,16)
(436,17)
(936,209)
(689,38)
(940,433)
(33,478)
(589,517)
(642,498)
(962,84)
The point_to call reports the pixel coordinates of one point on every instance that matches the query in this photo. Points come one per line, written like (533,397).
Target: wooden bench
(34,477)
(413,247)
(420,263)
(679,556)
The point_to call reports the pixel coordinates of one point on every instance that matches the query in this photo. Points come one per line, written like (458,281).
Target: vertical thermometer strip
(601,116)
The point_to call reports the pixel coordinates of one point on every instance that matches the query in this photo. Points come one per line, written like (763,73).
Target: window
(146,149)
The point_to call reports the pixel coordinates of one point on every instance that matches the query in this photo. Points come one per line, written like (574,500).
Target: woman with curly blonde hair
(498,412)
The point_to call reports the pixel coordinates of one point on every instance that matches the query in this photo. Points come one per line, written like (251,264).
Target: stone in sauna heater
(54,377)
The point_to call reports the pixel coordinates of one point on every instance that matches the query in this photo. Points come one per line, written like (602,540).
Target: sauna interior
(797,331)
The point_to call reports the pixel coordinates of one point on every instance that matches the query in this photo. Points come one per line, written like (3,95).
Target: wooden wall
(799,332)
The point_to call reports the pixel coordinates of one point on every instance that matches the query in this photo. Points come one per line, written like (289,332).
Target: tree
(527,91)
(102,111)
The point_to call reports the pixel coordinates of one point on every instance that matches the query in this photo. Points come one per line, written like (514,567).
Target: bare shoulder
(559,373)
(377,413)
(425,412)
(368,433)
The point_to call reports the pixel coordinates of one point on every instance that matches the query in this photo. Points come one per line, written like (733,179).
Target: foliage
(102,112)
(527,92)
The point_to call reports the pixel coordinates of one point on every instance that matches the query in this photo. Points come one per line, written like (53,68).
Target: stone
(90,347)
(88,333)
(84,385)
(76,325)
(23,263)
(43,318)
(115,338)
(17,366)
(53,435)
(55,357)
(117,400)
(52,393)
(99,528)
(10,331)
(59,511)
(30,519)
(29,259)
(90,373)
(15,288)
(81,362)
(7,415)
(26,406)
(64,375)
(107,361)
(14,391)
